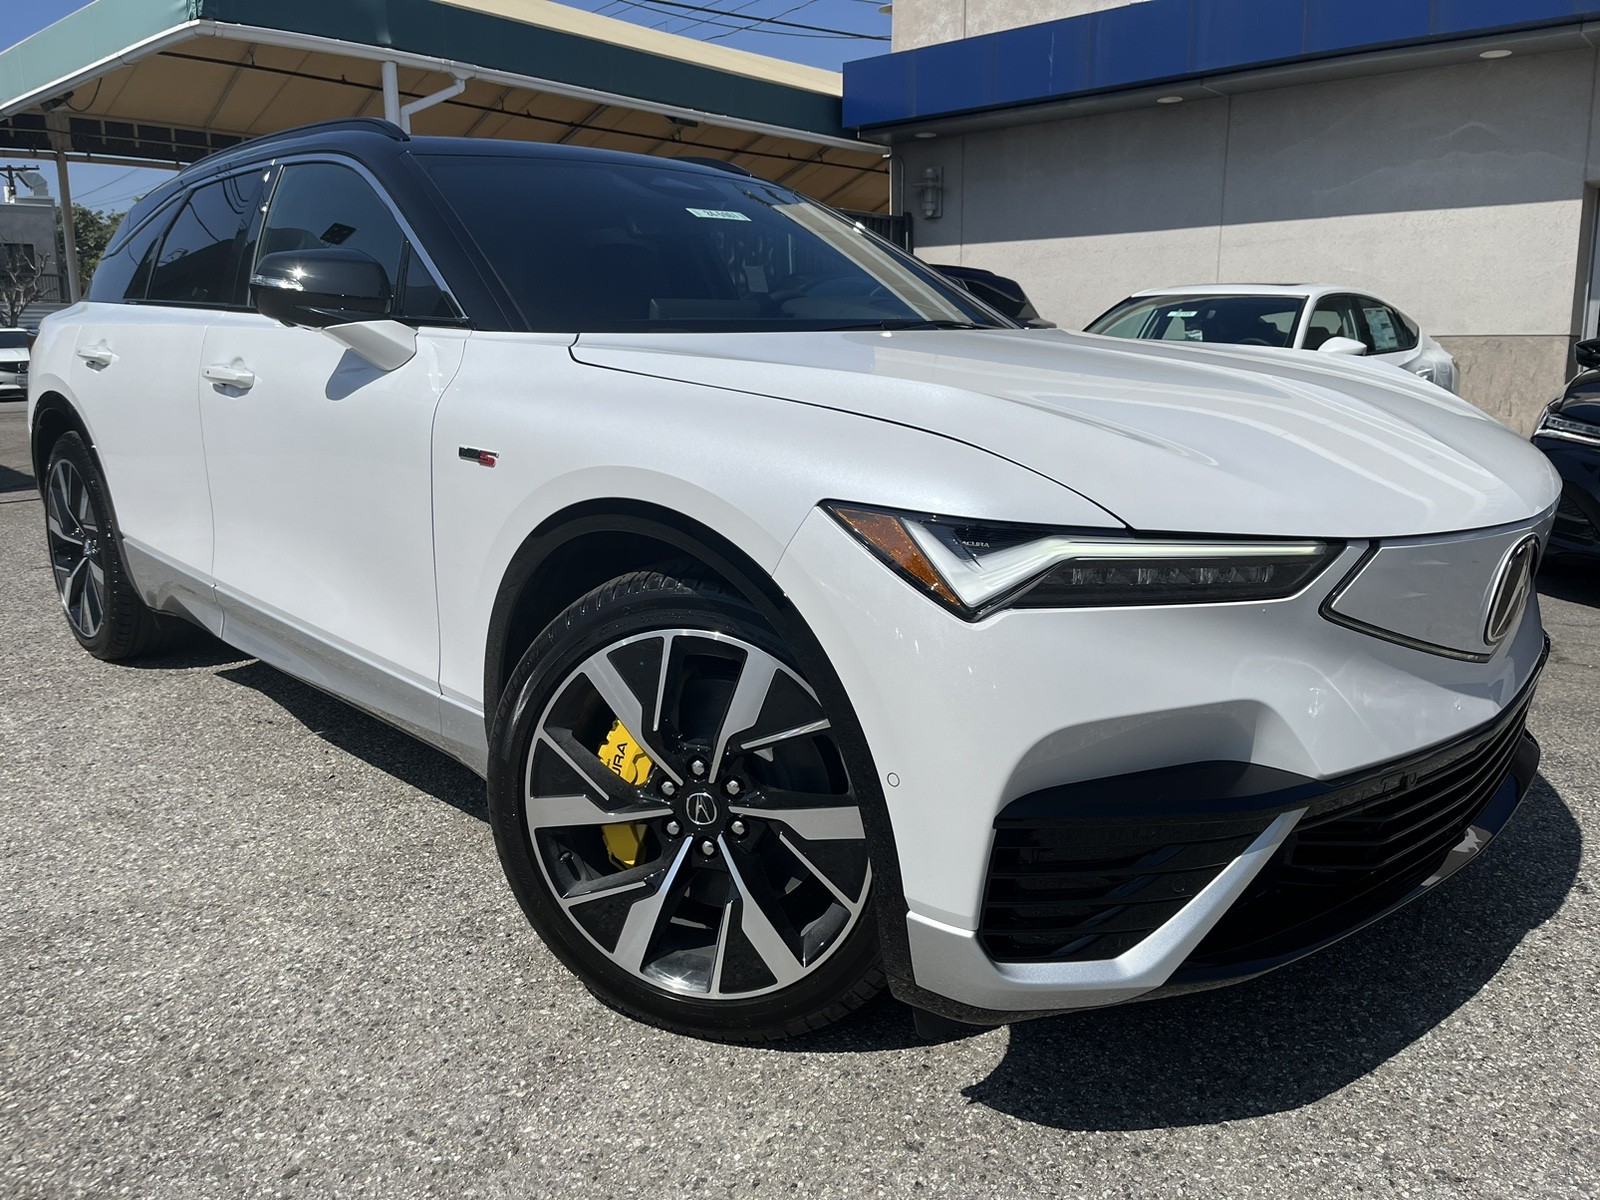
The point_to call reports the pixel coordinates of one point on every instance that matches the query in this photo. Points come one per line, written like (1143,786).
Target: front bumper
(1199,876)
(966,720)
(13,381)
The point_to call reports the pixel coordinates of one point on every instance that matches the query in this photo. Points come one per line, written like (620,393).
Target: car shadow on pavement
(12,480)
(1290,1038)
(200,649)
(1571,580)
(397,754)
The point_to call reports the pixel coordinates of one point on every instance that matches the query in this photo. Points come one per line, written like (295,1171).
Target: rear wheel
(673,811)
(104,612)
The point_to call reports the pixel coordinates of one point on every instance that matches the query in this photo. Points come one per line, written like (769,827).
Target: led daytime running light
(1577,431)
(975,568)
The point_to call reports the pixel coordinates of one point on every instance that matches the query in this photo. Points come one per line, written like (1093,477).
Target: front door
(320,470)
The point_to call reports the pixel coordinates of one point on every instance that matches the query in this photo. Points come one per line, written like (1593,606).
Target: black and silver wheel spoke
(750,693)
(627,706)
(809,815)
(577,812)
(760,915)
(644,918)
(734,861)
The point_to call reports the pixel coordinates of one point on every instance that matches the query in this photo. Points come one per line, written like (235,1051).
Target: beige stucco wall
(924,22)
(1456,193)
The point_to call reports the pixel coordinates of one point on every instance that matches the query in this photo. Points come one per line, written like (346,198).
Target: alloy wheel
(75,548)
(693,817)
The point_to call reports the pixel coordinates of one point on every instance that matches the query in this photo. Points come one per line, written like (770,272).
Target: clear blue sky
(737,24)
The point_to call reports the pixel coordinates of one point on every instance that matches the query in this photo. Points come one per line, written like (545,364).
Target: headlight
(1573,431)
(974,568)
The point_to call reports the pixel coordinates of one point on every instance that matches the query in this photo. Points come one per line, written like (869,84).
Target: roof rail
(344,124)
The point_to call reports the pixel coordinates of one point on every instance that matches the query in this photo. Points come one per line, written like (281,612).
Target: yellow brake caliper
(623,756)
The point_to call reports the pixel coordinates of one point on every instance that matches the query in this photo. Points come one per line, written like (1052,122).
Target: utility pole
(12,173)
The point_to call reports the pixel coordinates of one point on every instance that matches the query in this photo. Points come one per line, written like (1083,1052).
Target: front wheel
(672,808)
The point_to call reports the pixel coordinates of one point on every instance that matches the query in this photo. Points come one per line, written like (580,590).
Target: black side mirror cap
(321,287)
(1588,354)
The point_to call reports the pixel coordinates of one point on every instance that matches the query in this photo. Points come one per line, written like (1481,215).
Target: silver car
(13,363)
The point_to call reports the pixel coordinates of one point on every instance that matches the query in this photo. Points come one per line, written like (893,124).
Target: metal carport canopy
(169,81)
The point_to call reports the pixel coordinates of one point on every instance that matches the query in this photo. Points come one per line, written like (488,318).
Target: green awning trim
(109,27)
(79,40)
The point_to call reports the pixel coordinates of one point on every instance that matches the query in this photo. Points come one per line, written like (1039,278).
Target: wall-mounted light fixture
(930,190)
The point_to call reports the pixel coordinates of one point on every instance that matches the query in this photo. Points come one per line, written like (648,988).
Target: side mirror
(1588,354)
(322,287)
(1342,345)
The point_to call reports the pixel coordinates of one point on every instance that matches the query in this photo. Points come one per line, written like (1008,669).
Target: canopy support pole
(391,94)
(55,121)
(69,235)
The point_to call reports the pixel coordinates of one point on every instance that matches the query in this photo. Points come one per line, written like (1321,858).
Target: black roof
(366,137)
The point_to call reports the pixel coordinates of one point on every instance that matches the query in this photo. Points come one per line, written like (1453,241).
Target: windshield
(1241,320)
(587,246)
(13,339)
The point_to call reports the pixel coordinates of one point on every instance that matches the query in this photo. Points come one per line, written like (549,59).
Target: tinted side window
(1390,330)
(198,263)
(125,273)
(319,205)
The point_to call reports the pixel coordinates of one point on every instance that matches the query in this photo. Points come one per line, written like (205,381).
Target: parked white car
(814,626)
(13,363)
(1333,320)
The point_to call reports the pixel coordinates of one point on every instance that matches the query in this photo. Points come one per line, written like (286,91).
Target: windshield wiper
(929,325)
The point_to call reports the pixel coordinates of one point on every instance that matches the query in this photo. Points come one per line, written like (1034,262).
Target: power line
(772,20)
(109,184)
(808,30)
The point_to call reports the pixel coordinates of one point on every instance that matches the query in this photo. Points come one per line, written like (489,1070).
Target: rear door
(320,465)
(132,374)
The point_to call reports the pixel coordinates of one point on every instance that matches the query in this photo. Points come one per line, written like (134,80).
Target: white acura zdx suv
(814,627)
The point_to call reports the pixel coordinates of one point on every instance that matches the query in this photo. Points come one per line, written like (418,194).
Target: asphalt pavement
(254,943)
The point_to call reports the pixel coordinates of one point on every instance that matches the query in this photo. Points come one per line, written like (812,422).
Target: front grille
(1341,868)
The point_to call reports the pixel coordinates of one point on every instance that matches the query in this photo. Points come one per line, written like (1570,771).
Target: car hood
(1206,439)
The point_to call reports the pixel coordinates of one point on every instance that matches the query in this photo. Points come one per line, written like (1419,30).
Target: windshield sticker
(718,214)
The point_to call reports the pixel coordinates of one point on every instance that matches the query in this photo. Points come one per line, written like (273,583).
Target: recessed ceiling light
(1170,100)
(1495,54)
(925,134)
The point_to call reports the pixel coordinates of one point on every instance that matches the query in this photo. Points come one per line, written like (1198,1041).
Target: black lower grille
(1073,892)
(1087,871)
(1341,867)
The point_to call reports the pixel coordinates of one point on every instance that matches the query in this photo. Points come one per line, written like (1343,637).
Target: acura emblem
(701,809)
(1511,590)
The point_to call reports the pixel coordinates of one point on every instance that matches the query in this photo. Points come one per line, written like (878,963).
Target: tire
(713,880)
(103,609)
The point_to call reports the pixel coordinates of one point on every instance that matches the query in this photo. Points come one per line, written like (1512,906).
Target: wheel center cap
(701,809)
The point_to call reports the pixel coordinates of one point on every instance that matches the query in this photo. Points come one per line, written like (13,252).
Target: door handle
(96,356)
(231,376)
